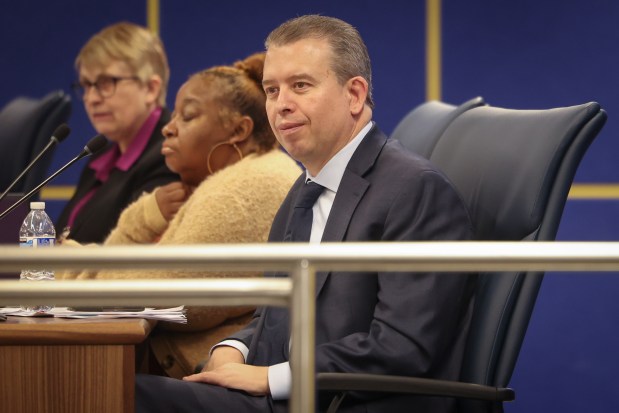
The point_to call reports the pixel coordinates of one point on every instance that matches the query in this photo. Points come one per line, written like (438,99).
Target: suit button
(167,362)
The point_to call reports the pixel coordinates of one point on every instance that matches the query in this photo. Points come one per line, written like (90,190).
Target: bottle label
(34,242)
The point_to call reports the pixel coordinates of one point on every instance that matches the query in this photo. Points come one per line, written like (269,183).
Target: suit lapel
(350,192)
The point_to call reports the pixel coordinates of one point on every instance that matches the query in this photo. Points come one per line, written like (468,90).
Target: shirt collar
(331,174)
(104,164)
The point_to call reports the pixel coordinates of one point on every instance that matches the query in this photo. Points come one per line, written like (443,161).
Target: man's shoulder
(396,160)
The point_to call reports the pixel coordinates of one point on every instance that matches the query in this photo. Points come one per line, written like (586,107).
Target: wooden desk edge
(29,330)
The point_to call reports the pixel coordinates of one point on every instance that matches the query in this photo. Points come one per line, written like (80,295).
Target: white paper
(174,315)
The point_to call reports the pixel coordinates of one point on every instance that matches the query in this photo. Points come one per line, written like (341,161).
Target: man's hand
(252,379)
(226,368)
(171,197)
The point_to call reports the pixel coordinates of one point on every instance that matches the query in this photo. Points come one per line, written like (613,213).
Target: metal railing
(297,292)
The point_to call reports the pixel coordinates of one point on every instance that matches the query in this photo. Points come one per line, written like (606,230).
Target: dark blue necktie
(300,226)
(272,347)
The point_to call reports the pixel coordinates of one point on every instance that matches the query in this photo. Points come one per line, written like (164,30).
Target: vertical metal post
(433,50)
(152,15)
(302,317)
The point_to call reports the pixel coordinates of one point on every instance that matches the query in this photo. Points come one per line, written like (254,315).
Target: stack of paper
(174,315)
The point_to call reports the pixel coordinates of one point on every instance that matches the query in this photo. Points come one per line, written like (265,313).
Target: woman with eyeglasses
(123,78)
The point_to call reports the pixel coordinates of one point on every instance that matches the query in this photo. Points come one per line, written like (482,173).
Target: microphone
(58,136)
(94,145)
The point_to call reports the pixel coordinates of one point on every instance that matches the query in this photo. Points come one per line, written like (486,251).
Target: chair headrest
(421,128)
(505,162)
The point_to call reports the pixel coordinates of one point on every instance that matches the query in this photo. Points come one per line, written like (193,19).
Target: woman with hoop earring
(234,177)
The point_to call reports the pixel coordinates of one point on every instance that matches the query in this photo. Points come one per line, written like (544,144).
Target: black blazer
(100,215)
(401,324)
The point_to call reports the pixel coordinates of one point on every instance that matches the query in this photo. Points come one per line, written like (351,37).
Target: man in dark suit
(317,79)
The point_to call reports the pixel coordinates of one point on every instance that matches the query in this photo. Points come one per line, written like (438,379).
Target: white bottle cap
(37,205)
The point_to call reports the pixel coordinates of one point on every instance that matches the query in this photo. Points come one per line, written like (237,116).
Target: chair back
(26,126)
(420,129)
(514,169)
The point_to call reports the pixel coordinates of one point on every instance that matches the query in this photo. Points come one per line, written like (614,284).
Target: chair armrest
(411,385)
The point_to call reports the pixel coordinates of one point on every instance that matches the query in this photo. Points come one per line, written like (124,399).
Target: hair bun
(253,66)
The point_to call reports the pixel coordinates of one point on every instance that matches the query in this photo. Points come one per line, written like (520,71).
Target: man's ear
(242,130)
(358,92)
(154,85)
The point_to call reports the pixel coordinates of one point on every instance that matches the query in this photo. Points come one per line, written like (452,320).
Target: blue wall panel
(531,54)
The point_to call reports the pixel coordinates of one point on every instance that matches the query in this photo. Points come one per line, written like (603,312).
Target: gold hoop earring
(208,158)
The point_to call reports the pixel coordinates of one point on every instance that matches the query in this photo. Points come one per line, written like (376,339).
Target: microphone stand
(36,189)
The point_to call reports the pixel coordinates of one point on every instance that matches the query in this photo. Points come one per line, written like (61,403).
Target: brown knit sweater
(234,205)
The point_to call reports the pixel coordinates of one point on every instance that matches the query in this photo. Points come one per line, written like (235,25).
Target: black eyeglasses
(104,85)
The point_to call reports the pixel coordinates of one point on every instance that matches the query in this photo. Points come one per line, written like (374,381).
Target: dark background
(522,54)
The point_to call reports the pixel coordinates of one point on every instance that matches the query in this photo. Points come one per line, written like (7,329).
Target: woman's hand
(171,197)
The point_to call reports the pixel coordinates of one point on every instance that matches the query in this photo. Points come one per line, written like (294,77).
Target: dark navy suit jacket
(411,324)
(100,215)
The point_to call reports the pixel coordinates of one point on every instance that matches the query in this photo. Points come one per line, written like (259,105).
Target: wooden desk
(54,365)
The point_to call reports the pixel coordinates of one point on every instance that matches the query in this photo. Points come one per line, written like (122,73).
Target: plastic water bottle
(37,231)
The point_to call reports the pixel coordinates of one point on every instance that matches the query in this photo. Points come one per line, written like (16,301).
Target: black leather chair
(26,126)
(420,129)
(514,169)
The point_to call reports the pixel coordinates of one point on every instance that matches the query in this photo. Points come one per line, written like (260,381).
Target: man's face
(308,109)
